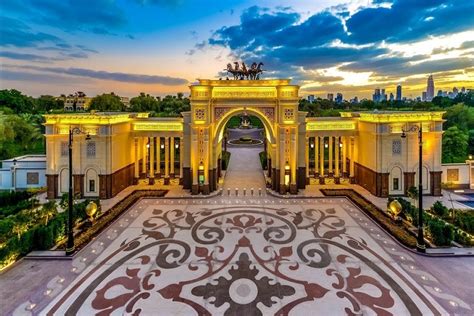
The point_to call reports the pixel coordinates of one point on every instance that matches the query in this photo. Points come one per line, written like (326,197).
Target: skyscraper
(391,97)
(399,92)
(376,95)
(330,96)
(339,98)
(430,89)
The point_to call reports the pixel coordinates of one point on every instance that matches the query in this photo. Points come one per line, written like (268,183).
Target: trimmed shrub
(225,159)
(441,234)
(439,209)
(263,159)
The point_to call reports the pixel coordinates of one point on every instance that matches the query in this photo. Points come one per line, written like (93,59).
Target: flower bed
(87,234)
(400,232)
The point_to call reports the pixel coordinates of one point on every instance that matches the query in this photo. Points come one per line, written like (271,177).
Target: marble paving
(257,258)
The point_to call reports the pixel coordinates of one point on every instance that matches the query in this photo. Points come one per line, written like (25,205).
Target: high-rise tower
(430,89)
(399,93)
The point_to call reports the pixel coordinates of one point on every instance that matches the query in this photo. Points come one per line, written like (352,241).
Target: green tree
(17,101)
(106,102)
(46,103)
(461,116)
(455,144)
(19,137)
(144,103)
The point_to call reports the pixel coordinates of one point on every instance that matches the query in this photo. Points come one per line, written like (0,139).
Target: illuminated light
(388,117)
(166,126)
(147,145)
(87,118)
(162,146)
(47,292)
(330,125)
(237,83)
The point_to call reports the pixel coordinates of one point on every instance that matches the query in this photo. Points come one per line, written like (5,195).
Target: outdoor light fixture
(162,146)
(176,145)
(147,145)
(470,157)
(201,166)
(311,145)
(326,145)
(420,242)
(340,145)
(70,247)
(287,165)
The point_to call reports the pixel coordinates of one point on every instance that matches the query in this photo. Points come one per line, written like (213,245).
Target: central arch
(220,125)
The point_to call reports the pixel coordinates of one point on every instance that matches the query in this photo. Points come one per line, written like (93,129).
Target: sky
(162,46)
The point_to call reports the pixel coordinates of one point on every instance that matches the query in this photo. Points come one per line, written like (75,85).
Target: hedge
(263,159)
(387,223)
(225,159)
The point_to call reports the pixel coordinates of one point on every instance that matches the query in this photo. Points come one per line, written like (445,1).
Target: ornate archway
(274,102)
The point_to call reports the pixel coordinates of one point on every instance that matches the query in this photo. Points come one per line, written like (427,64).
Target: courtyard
(241,255)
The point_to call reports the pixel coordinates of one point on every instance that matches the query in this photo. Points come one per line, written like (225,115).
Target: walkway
(245,170)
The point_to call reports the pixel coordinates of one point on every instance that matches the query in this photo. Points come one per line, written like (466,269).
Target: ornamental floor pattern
(259,257)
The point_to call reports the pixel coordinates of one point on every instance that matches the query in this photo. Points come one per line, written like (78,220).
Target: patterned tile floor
(241,256)
(257,256)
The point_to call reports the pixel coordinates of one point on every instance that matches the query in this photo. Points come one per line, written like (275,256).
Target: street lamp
(70,233)
(420,243)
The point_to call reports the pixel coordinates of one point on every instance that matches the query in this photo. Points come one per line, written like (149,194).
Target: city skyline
(133,46)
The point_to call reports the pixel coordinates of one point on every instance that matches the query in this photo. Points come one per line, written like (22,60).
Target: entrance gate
(274,102)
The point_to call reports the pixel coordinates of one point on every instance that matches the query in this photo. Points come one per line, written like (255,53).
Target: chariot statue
(242,73)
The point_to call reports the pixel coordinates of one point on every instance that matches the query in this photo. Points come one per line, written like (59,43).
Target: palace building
(364,148)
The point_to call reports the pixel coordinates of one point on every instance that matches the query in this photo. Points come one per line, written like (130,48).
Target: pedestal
(322,180)
(293,189)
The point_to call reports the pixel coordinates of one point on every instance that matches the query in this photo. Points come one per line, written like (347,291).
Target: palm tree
(19,228)
(48,210)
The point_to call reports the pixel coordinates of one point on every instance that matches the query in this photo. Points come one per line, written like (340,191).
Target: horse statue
(255,71)
(243,73)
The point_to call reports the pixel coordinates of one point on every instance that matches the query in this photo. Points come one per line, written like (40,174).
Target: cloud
(28,57)
(16,33)
(114,76)
(35,77)
(408,20)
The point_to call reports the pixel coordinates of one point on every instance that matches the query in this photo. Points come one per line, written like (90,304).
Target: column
(151,179)
(321,159)
(167,160)
(181,156)
(330,168)
(316,155)
(351,167)
(158,157)
(344,156)
(337,165)
(144,156)
(137,165)
(172,158)
(308,148)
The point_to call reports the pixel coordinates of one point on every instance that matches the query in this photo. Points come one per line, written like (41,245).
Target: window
(90,149)
(396,184)
(453,175)
(64,149)
(396,147)
(32,178)
(91,185)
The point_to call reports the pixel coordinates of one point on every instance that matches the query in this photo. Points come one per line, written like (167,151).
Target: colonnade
(333,157)
(149,152)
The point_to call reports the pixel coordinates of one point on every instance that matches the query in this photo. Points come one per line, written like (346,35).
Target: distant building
(383,95)
(125,101)
(311,98)
(376,95)
(339,97)
(399,92)
(76,102)
(330,97)
(440,93)
(430,89)
(463,90)
(355,100)
(24,172)
(423,96)
(391,97)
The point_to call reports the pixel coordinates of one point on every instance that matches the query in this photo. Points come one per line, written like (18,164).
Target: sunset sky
(160,47)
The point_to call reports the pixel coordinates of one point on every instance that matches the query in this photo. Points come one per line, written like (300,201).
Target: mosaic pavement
(257,258)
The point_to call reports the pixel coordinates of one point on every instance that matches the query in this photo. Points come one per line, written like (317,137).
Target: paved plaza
(241,255)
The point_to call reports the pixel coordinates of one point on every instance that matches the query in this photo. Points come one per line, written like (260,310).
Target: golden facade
(363,148)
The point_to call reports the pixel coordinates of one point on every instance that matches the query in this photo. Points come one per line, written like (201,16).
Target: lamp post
(420,243)
(70,233)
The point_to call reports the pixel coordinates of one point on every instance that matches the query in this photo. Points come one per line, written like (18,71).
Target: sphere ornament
(91,210)
(395,207)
